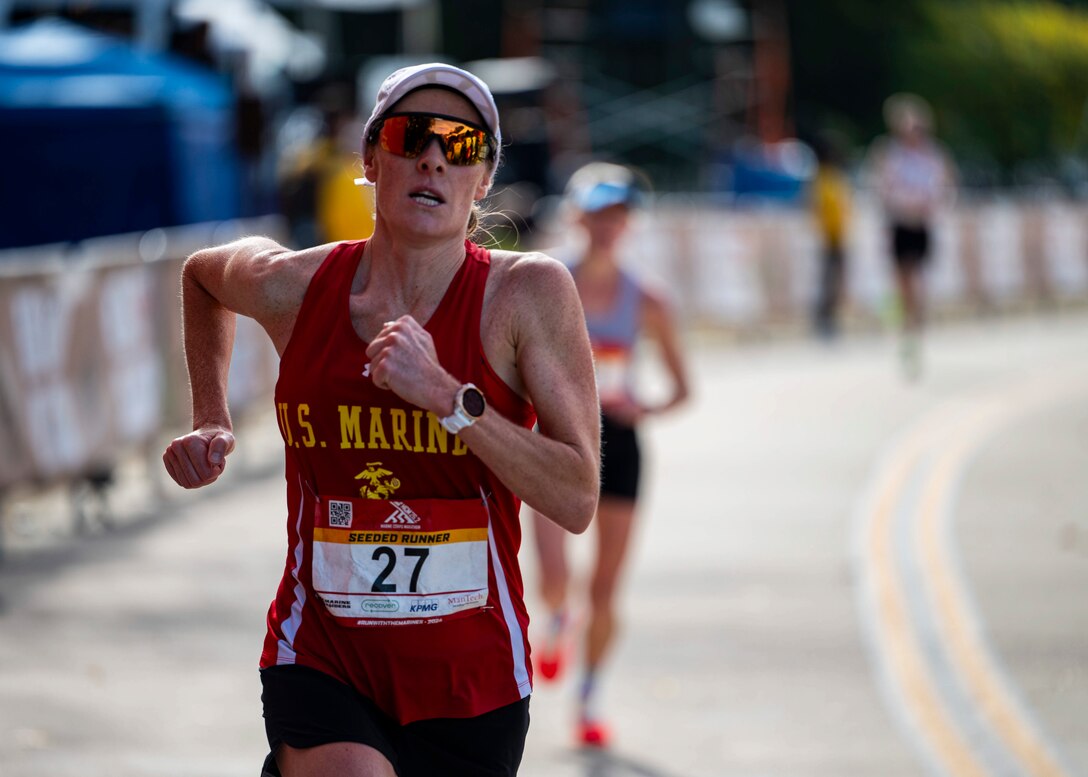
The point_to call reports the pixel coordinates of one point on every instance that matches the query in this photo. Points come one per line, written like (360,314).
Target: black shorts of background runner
(910,245)
(305,708)
(621,460)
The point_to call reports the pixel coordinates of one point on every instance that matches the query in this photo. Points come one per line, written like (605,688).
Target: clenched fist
(198,458)
(403,360)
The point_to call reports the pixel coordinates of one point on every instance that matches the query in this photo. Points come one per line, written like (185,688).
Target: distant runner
(915,178)
(620,309)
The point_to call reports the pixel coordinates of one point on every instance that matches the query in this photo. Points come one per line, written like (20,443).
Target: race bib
(612,367)
(389,563)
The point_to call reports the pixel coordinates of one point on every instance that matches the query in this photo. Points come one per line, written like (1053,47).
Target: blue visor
(605,194)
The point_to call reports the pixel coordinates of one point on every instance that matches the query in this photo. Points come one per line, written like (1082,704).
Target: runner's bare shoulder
(523,276)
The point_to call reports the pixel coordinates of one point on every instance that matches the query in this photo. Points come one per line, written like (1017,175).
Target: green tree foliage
(1008,79)
(843,57)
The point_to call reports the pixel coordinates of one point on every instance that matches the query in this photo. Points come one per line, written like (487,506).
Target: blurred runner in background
(619,310)
(914,178)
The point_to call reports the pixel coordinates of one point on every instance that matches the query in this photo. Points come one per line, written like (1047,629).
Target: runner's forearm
(557,479)
(208,336)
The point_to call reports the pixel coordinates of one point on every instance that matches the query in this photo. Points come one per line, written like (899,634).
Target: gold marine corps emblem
(378,483)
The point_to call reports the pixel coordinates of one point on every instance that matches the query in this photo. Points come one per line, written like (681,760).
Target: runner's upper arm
(553,355)
(254,276)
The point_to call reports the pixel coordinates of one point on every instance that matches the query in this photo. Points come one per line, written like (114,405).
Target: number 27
(390,556)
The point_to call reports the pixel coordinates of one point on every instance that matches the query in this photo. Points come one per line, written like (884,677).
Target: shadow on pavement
(603,763)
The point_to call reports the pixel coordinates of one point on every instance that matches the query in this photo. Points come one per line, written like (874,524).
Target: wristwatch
(468,405)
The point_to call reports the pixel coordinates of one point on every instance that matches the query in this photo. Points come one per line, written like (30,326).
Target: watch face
(473,402)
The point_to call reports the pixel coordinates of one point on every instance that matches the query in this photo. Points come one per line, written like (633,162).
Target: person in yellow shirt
(830,201)
(319,192)
(345,209)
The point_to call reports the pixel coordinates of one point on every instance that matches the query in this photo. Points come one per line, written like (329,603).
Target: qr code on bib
(340,514)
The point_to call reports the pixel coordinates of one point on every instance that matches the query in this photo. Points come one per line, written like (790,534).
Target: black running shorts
(910,245)
(621,460)
(305,708)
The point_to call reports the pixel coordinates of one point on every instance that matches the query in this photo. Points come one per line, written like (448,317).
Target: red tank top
(365,471)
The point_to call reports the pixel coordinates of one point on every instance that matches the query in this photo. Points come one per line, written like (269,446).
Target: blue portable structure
(100,138)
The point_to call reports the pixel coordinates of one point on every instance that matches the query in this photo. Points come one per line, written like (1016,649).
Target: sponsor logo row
(388,605)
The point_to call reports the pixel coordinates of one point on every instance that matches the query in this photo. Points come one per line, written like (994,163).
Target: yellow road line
(968,654)
(900,642)
(953,432)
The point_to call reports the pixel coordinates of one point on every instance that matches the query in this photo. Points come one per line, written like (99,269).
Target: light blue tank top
(612,334)
(618,327)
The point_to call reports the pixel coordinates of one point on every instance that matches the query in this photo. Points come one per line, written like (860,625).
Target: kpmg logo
(427,605)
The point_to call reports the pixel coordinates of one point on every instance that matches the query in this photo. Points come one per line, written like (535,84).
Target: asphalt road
(837,573)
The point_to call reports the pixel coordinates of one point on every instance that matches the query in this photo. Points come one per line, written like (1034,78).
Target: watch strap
(460,418)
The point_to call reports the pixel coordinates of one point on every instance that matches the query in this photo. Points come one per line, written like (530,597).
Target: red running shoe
(551,662)
(555,647)
(593,733)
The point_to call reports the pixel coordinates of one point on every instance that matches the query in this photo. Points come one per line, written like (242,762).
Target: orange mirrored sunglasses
(407,135)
